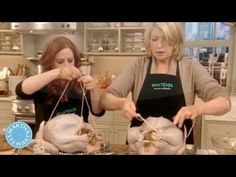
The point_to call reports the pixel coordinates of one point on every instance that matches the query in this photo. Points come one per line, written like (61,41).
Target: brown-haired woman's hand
(69,73)
(88,82)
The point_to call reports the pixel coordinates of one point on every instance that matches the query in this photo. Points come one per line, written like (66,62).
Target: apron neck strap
(150,64)
(177,70)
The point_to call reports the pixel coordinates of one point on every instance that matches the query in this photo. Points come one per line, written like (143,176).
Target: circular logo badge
(18,134)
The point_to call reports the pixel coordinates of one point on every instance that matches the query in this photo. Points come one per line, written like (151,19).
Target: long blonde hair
(173,32)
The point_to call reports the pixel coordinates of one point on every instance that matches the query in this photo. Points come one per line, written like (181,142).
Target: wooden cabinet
(105,130)
(11,42)
(6,116)
(120,128)
(213,125)
(112,126)
(103,125)
(114,39)
(120,133)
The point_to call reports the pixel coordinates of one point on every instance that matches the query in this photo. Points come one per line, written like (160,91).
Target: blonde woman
(164,83)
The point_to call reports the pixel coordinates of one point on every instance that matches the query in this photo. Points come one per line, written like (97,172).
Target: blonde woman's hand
(187,112)
(88,82)
(129,109)
(69,73)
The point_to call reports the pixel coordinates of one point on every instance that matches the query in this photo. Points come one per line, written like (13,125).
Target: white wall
(11,60)
(112,64)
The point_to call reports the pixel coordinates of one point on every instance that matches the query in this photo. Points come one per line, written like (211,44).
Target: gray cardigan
(194,77)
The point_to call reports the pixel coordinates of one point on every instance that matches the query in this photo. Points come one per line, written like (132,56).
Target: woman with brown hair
(60,77)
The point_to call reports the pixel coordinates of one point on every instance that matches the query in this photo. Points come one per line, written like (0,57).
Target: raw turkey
(165,138)
(70,134)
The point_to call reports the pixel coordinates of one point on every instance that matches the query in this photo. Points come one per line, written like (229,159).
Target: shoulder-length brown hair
(173,32)
(48,58)
(53,47)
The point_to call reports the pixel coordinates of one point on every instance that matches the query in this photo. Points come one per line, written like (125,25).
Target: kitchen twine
(82,105)
(39,147)
(186,135)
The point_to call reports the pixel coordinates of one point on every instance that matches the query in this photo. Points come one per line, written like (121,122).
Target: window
(192,51)
(191,31)
(209,43)
(206,31)
(222,31)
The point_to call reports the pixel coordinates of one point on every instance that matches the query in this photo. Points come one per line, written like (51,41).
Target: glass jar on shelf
(10,42)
